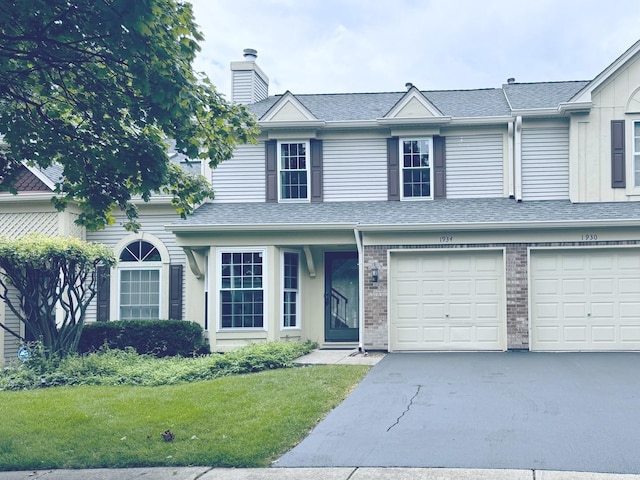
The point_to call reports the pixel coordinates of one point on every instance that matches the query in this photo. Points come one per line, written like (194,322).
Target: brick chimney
(249,84)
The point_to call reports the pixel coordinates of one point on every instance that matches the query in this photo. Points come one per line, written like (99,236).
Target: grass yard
(236,421)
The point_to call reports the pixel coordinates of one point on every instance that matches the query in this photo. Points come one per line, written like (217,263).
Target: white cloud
(322,46)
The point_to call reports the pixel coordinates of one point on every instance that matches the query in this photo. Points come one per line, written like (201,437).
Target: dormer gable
(288,109)
(413,104)
(584,95)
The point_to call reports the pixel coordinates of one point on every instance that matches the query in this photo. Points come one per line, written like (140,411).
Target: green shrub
(161,338)
(126,367)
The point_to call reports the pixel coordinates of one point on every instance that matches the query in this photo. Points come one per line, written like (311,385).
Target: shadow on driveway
(512,410)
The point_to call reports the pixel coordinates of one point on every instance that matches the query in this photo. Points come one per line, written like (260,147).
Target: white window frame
(265,290)
(635,154)
(402,168)
(137,267)
(307,170)
(163,265)
(284,290)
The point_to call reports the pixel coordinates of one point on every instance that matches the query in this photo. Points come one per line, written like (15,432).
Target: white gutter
(358,236)
(497,226)
(275,227)
(517,145)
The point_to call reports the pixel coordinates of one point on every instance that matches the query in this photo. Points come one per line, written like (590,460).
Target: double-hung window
(416,172)
(293,171)
(242,290)
(636,154)
(290,289)
(139,272)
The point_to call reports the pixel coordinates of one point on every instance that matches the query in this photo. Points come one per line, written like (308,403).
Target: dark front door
(341,296)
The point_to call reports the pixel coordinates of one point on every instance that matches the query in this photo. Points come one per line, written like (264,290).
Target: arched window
(139,276)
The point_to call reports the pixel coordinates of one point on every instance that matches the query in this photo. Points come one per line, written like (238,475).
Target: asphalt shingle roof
(454,212)
(541,95)
(487,102)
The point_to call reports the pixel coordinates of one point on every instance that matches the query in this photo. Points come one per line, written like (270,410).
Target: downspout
(358,236)
(510,160)
(518,157)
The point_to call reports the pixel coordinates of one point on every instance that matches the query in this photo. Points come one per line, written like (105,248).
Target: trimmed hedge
(161,338)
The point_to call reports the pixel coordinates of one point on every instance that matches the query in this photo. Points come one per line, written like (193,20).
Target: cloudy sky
(327,46)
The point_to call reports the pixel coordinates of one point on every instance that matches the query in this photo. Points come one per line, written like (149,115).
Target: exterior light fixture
(375,271)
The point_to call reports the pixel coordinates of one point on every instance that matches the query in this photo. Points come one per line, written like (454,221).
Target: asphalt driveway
(513,410)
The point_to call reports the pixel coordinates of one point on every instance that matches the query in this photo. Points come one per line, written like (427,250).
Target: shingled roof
(449,213)
(489,102)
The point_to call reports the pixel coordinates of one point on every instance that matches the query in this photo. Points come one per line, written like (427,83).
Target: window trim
(401,168)
(283,290)
(163,264)
(219,289)
(635,154)
(307,144)
(141,266)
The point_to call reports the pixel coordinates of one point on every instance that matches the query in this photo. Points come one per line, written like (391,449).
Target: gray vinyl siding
(355,169)
(153,224)
(545,163)
(241,86)
(248,87)
(242,178)
(474,166)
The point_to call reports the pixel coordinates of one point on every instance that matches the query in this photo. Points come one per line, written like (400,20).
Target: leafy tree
(97,86)
(40,274)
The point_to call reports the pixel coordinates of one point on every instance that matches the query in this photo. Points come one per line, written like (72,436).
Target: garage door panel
(407,311)
(487,311)
(574,310)
(433,311)
(597,306)
(630,311)
(460,287)
(603,333)
(488,287)
(408,288)
(603,286)
(546,286)
(629,286)
(488,334)
(603,310)
(461,301)
(574,286)
(574,334)
(433,335)
(629,334)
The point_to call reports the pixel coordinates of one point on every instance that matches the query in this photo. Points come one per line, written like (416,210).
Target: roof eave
(486,120)
(577,107)
(258,227)
(500,226)
(414,121)
(292,124)
(536,112)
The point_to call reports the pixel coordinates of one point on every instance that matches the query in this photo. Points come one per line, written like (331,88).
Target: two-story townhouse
(490,219)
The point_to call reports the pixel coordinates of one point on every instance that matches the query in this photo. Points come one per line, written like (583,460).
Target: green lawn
(237,421)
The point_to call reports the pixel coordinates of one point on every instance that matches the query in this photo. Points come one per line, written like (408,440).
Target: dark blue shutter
(439,168)
(393,168)
(618,177)
(316,170)
(271,170)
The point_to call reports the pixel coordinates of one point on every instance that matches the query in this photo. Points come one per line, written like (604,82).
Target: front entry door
(341,296)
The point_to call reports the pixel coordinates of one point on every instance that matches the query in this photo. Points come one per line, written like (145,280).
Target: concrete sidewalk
(204,473)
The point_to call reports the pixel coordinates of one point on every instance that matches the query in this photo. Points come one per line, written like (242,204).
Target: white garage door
(586,299)
(447,300)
